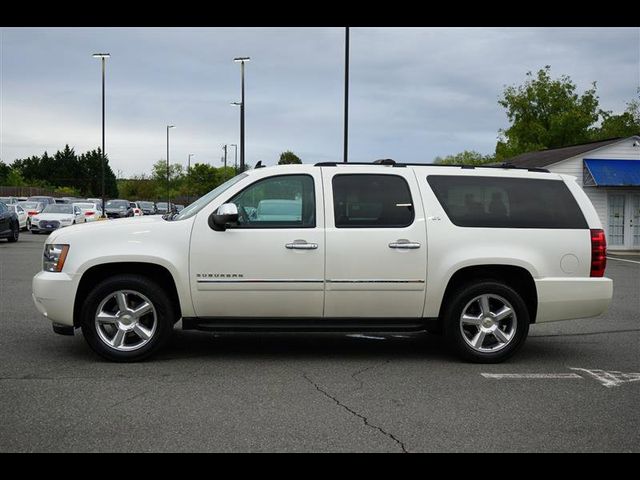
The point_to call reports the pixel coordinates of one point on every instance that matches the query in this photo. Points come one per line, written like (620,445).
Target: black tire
(166,316)
(34,232)
(452,321)
(28,224)
(15,233)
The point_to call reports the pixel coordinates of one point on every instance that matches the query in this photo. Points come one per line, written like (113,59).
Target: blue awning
(611,173)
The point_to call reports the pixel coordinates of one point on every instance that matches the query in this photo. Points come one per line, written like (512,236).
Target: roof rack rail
(393,163)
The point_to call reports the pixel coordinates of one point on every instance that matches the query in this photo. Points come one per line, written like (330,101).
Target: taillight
(88,213)
(32,213)
(598,252)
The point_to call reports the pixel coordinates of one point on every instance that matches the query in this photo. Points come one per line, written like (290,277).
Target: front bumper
(569,298)
(54,294)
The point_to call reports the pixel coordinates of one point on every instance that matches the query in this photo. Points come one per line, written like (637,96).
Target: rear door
(375,243)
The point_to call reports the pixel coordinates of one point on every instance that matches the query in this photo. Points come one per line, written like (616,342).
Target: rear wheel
(486,321)
(127,318)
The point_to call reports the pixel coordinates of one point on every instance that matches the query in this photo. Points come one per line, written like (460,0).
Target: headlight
(68,219)
(54,257)
(35,219)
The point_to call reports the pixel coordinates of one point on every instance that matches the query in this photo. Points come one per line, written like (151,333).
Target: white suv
(477,254)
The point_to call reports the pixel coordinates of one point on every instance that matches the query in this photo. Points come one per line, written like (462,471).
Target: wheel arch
(97,273)
(516,277)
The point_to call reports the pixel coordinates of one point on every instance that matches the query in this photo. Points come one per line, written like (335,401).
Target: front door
(376,243)
(624,221)
(272,263)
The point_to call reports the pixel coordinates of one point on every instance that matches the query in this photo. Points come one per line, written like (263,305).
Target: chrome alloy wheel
(488,323)
(126,320)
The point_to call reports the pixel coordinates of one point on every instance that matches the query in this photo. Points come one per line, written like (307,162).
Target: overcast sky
(415,93)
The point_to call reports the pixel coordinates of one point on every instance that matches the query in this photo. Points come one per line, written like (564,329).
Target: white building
(609,172)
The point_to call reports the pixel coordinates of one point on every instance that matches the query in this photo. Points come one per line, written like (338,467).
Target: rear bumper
(53,295)
(569,298)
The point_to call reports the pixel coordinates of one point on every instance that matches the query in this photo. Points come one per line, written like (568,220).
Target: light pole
(235,164)
(224,176)
(103,57)
(346,95)
(168,187)
(189,178)
(241,61)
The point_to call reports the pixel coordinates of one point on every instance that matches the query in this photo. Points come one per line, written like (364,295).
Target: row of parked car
(44,214)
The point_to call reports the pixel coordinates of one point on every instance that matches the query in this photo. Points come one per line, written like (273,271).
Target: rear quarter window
(499,202)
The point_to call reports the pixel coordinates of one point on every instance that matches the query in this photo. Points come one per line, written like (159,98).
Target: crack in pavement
(366,369)
(353,412)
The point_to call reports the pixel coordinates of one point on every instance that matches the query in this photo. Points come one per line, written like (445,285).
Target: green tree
(90,183)
(288,157)
(546,113)
(468,157)
(4,172)
(159,176)
(623,125)
(14,179)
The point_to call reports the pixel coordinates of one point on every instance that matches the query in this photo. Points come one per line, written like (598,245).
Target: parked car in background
(9,227)
(32,208)
(118,209)
(41,199)
(56,216)
(179,208)
(161,208)
(137,211)
(90,210)
(9,200)
(148,208)
(21,214)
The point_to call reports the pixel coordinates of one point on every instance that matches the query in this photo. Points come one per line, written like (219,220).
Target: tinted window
(283,201)
(363,200)
(507,202)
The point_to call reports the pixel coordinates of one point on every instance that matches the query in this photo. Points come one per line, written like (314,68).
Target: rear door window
(500,202)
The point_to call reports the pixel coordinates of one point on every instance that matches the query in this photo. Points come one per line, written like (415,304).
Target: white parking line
(623,260)
(611,378)
(531,375)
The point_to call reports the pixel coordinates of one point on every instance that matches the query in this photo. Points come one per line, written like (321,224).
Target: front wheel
(127,318)
(486,321)
(15,233)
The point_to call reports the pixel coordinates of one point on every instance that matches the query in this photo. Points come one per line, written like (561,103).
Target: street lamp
(189,178)
(241,61)
(168,191)
(235,150)
(103,57)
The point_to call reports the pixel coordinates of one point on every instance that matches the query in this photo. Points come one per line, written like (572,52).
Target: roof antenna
(259,164)
(385,161)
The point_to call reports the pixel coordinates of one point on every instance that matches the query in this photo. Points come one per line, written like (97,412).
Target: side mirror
(227,213)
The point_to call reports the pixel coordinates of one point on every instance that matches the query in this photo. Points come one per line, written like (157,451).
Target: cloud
(415,92)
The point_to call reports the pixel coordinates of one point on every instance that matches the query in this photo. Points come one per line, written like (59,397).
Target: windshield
(199,204)
(58,208)
(121,204)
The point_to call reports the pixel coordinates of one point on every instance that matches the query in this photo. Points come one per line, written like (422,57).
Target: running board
(230,324)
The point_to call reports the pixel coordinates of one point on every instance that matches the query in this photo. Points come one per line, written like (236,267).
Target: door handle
(301,245)
(404,244)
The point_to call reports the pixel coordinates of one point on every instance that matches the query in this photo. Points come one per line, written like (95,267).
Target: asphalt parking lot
(574,386)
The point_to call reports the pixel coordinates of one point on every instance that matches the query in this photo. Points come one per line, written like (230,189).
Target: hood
(131,229)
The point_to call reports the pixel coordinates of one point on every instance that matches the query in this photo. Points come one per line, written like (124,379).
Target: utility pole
(224,147)
(346,96)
